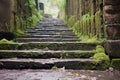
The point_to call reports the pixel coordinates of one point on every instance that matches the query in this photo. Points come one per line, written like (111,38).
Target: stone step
(59,74)
(47,36)
(47,25)
(15,63)
(59,27)
(46,39)
(51,28)
(55,23)
(50,46)
(51,32)
(44,54)
(48,29)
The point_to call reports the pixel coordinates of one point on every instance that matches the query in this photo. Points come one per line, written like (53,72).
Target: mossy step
(45,54)
(47,36)
(60,24)
(50,46)
(51,24)
(46,39)
(55,30)
(15,63)
(57,33)
(51,32)
(50,27)
(46,25)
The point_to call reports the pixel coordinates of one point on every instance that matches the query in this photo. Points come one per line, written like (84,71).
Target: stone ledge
(115,63)
(113,31)
(112,48)
(111,2)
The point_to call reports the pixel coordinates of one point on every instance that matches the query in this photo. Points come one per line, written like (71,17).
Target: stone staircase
(50,44)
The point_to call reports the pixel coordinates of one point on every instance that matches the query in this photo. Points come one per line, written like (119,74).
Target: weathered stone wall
(85,17)
(16,16)
(112,25)
(99,18)
(6,15)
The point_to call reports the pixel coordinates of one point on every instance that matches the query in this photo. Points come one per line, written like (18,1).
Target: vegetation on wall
(86,23)
(88,27)
(29,19)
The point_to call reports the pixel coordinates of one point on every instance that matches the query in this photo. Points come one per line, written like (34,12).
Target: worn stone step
(46,39)
(48,29)
(51,32)
(55,29)
(53,20)
(54,23)
(47,36)
(51,28)
(47,25)
(46,54)
(15,63)
(59,74)
(50,46)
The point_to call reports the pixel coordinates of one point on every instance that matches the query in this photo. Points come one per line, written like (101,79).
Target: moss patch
(100,49)
(5,41)
(7,54)
(115,64)
(103,61)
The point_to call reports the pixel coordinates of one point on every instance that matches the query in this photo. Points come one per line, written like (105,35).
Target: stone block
(111,2)
(111,9)
(5,15)
(112,18)
(113,32)
(112,48)
(115,63)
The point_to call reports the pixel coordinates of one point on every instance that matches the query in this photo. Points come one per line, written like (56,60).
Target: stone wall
(112,24)
(96,18)
(6,15)
(16,16)
(85,17)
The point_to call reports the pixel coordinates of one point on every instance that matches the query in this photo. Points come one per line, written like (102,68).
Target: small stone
(67,79)
(111,69)
(83,76)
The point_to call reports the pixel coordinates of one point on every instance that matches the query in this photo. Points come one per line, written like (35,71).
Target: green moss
(18,32)
(63,55)
(98,23)
(116,63)
(103,60)
(30,18)
(101,57)
(71,21)
(60,46)
(100,49)
(5,41)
